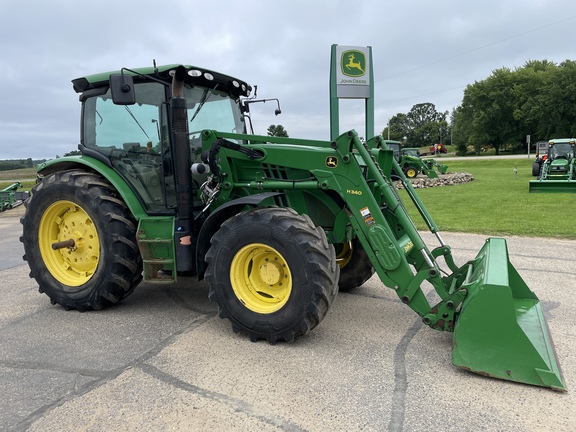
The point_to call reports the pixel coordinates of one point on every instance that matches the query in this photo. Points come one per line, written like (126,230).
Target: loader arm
(345,187)
(375,213)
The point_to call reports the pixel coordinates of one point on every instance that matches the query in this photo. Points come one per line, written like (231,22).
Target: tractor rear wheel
(355,266)
(80,241)
(272,273)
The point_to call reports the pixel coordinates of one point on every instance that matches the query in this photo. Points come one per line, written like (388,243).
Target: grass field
(497,202)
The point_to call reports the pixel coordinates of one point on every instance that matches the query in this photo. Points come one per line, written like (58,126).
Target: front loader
(557,171)
(168,182)
(10,198)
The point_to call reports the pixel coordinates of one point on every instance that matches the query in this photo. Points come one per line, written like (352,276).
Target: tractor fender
(88,163)
(217,218)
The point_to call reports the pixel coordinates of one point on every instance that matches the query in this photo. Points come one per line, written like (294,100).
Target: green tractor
(10,197)
(411,164)
(557,169)
(170,182)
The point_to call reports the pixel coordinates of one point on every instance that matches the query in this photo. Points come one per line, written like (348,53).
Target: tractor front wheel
(410,172)
(272,273)
(79,241)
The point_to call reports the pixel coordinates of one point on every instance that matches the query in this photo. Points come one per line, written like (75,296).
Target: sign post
(351,77)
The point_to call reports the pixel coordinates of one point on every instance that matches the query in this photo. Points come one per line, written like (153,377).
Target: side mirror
(122,87)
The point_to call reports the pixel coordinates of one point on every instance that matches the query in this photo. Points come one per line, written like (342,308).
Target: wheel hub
(261,278)
(271,273)
(64,220)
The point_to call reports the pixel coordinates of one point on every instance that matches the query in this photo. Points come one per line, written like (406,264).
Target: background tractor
(557,171)
(169,182)
(411,164)
(541,155)
(10,197)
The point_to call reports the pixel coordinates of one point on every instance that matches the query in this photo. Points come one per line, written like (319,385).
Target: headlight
(194,73)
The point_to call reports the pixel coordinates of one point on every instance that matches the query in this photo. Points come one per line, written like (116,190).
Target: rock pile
(449,179)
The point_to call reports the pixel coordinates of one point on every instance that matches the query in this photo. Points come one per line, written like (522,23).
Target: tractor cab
(563,150)
(411,151)
(560,154)
(126,124)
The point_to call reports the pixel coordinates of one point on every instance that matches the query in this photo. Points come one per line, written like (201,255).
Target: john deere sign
(353,64)
(351,77)
(353,72)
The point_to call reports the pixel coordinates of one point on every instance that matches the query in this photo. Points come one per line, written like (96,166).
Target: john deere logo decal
(331,162)
(353,63)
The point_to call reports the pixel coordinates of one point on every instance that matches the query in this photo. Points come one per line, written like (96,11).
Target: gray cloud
(423,52)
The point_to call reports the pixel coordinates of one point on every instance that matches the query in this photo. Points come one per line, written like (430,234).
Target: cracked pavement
(163,360)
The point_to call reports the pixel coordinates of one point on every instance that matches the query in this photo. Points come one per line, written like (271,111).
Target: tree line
(537,99)
(13,164)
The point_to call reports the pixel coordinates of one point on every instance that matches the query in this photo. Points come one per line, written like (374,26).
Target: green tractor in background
(541,156)
(170,182)
(411,164)
(557,169)
(10,197)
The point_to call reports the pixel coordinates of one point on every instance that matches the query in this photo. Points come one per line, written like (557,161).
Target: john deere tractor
(169,182)
(557,171)
(411,164)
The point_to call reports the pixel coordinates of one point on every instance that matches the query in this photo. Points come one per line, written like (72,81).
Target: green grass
(498,203)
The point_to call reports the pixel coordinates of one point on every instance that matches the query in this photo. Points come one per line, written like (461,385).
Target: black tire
(536,169)
(105,264)
(410,172)
(355,266)
(300,257)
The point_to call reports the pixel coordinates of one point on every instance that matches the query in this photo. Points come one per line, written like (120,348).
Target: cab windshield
(563,150)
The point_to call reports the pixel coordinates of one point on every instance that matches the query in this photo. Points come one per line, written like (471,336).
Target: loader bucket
(442,168)
(552,186)
(501,331)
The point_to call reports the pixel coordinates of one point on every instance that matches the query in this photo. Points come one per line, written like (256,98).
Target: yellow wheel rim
(411,173)
(345,255)
(261,278)
(65,220)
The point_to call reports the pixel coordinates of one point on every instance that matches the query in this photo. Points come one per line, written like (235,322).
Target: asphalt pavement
(163,360)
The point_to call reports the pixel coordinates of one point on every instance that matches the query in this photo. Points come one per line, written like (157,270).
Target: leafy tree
(73,153)
(421,126)
(277,130)
(426,125)
(488,110)
(398,126)
(460,131)
(559,102)
(538,99)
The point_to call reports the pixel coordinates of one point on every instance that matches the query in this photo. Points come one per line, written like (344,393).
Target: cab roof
(196,75)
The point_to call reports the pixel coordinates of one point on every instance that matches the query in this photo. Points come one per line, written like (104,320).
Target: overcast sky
(423,51)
